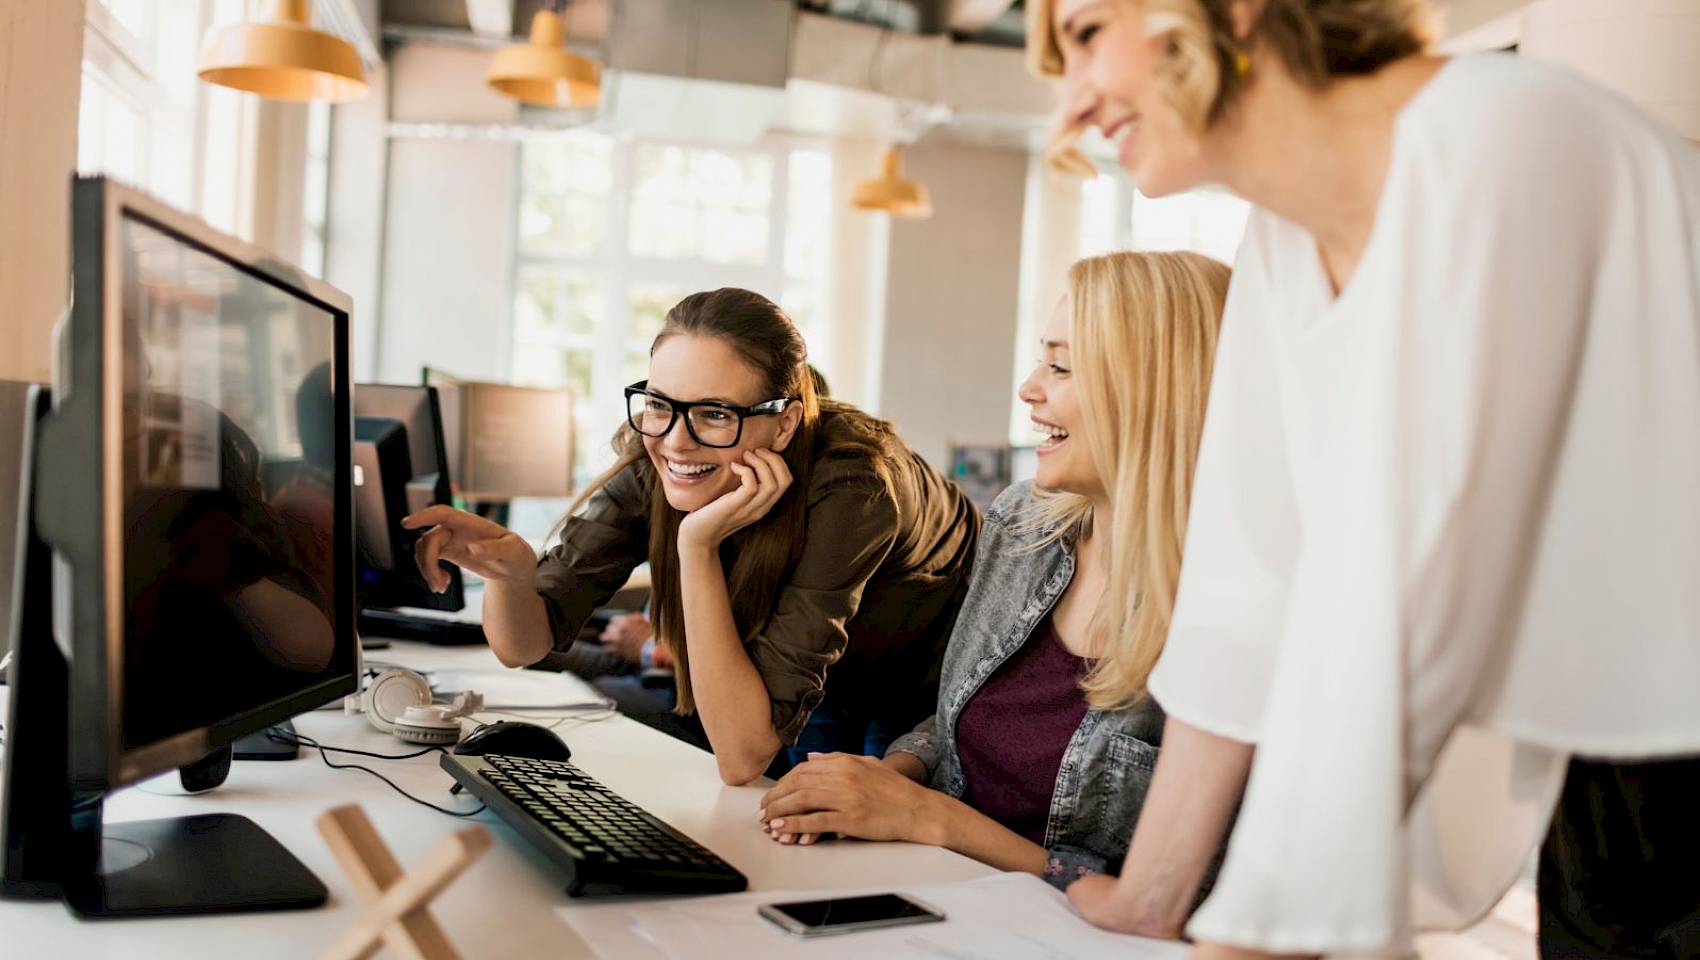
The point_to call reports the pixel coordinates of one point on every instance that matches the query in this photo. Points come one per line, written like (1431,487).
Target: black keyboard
(441,630)
(606,843)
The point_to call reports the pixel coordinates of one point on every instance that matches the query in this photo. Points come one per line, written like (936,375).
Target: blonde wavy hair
(1142,337)
(1317,41)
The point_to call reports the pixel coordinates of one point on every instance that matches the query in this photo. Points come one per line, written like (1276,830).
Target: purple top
(1012,734)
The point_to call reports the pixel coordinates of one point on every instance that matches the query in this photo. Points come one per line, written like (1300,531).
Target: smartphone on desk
(815,918)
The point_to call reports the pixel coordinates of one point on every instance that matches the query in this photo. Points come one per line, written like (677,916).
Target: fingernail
(807,840)
(813,754)
(788,839)
(778,824)
(762,814)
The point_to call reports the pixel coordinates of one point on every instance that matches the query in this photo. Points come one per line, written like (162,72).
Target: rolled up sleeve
(599,547)
(922,743)
(850,530)
(1065,864)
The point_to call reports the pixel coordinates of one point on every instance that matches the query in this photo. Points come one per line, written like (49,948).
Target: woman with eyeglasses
(1443,561)
(787,537)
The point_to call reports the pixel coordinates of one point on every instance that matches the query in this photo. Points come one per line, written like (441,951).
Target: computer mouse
(514,738)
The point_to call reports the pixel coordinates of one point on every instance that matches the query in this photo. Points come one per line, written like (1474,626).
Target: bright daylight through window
(613,233)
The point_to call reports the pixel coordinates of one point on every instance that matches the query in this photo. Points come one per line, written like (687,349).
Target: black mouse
(515,738)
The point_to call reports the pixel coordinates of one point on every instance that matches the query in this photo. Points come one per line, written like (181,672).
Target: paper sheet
(1007,916)
(520,689)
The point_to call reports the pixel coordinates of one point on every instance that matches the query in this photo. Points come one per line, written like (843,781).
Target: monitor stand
(55,844)
(210,863)
(276,742)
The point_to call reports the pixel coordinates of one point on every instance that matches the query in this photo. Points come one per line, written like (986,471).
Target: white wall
(855,288)
(952,298)
(354,225)
(41,52)
(445,294)
(1646,50)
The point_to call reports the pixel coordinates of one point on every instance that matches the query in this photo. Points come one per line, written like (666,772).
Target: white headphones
(399,703)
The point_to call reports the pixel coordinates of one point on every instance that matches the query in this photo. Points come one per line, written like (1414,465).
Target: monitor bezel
(86,429)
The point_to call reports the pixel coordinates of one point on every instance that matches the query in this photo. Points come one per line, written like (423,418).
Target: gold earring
(1242,64)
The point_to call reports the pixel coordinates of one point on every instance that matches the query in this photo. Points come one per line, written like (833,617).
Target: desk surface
(505,904)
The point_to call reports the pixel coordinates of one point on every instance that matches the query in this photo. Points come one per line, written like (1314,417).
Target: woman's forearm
(907,764)
(1194,791)
(956,826)
(515,623)
(731,697)
(1217,951)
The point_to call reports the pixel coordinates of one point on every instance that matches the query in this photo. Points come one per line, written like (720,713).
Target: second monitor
(401,466)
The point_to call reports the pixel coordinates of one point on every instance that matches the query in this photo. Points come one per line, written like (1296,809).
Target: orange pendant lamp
(891,193)
(283,58)
(543,71)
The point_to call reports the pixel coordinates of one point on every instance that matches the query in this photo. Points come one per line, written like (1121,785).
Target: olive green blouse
(873,596)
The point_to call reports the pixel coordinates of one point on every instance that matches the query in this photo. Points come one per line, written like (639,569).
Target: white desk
(505,905)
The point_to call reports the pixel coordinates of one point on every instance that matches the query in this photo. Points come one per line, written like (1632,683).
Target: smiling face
(687,368)
(1065,463)
(1112,68)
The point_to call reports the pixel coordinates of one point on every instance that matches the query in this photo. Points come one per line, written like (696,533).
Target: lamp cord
(865,13)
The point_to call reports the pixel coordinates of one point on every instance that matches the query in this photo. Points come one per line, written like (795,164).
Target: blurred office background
(503,242)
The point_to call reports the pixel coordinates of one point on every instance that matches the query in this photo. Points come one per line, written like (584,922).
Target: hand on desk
(854,796)
(469,541)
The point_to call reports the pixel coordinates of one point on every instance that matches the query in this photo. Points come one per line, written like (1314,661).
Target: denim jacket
(1106,767)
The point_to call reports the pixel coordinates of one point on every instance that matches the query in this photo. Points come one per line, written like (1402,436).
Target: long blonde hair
(1142,337)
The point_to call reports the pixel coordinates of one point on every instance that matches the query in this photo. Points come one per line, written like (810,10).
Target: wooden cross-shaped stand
(396,913)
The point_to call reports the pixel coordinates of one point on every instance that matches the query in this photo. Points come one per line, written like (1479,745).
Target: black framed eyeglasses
(711,423)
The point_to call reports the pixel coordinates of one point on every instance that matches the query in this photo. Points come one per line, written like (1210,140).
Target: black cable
(304,741)
(301,740)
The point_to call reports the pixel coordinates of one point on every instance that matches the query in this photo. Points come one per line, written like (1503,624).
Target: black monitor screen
(229,490)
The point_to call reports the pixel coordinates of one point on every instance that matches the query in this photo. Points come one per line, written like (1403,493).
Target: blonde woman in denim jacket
(1043,744)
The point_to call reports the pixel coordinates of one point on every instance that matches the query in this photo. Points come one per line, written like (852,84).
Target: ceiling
(995,22)
(586,19)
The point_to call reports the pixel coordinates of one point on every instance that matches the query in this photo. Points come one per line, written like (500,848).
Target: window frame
(621,272)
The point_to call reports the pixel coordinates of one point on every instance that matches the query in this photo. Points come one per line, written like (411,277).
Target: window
(137,110)
(613,233)
(1207,221)
(1115,216)
(146,119)
(1102,200)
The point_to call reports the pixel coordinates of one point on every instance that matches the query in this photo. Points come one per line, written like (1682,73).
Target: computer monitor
(401,467)
(193,482)
(506,441)
(14,417)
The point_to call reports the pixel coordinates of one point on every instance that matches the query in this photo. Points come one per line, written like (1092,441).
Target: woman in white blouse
(1443,562)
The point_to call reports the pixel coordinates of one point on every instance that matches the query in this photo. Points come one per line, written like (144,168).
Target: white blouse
(1445,527)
